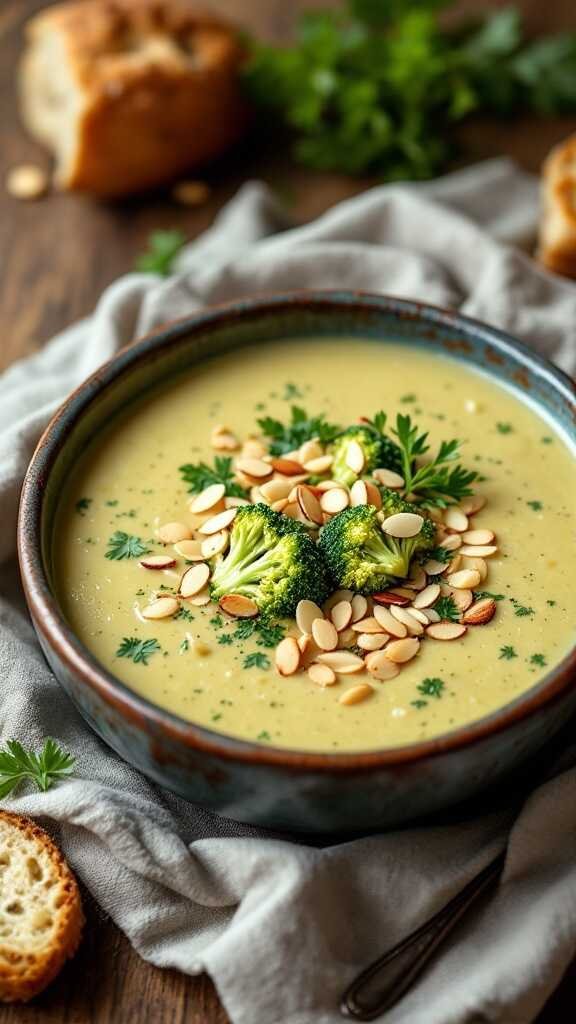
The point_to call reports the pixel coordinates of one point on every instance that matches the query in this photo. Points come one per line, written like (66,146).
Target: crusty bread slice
(41,915)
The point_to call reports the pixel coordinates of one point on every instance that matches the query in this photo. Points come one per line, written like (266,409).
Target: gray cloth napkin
(280,926)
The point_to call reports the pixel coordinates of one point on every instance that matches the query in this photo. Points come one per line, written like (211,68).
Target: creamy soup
(194,664)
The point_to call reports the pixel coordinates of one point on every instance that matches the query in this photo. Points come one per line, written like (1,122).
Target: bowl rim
(156,721)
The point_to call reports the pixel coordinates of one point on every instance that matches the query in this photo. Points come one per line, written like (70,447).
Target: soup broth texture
(198,664)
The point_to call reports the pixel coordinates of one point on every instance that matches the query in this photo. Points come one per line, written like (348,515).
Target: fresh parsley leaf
(244,629)
(125,545)
(438,482)
(419,704)
(200,476)
(507,652)
(431,687)
(163,247)
(184,613)
(539,660)
(291,391)
(438,554)
(184,646)
(447,610)
(521,610)
(378,421)
(51,765)
(537,506)
(217,621)
(256,660)
(284,437)
(546,440)
(264,735)
(82,505)
(504,428)
(408,399)
(137,650)
(225,639)
(551,603)
(269,634)
(479,594)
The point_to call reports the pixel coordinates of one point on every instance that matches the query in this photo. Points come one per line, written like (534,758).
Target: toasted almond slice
(368,625)
(347,638)
(275,490)
(374,496)
(234,502)
(433,568)
(454,564)
(215,544)
(474,503)
(239,606)
(356,694)
(311,449)
(380,667)
(478,537)
(359,607)
(400,651)
(403,615)
(344,663)
(417,580)
(157,562)
(162,608)
(403,524)
(324,634)
(452,542)
(309,504)
(319,465)
(201,599)
(476,563)
(325,485)
(418,614)
(256,468)
(291,509)
(372,641)
(287,656)
(432,615)
(428,596)
(254,448)
(389,623)
(279,506)
(481,612)
(172,533)
(464,580)
(402,592)
(341,615)
(334,500)
(224,441)
(355,459)
(287,467)
(387,597)
(455,519)
(194,579)
(304,642)
(338,595)
(306,614)
(322,675)
(446,630)
(389,478)
(218,522)
(191,550)
(358,493)
(478,550)
(207,498)
(462,598)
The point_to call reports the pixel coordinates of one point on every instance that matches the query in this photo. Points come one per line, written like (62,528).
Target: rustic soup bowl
(312,792)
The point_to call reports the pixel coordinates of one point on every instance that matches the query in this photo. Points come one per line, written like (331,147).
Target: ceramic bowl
(312,792)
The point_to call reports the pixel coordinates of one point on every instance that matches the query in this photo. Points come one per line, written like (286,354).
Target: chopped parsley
(291,391)
(439,554)
(200,475)
(447,610)
(184,613)
(407,399)
(137,650)
(551,603)
(546,440)
(479,594)
(264,735)
(536,505)
(256,660)
(504,428)
(225,639)
(539,660)
(266,634)
(507,652)
(284,437)
(184,646)
(112,504)
(521,610)
(419,704)
(51,764)
(431,687)
(125,545)
(217,621)
(82,505)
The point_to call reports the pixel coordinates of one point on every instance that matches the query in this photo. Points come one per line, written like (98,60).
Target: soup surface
(129,481)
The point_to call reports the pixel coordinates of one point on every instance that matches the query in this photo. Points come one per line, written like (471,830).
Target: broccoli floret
(379,451)
(361,557)
(271,560)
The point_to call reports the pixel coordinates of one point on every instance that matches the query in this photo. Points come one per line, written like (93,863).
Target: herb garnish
(539,660)
(429,687)
(82,505)
(479,594)
(125,545)
(284,437)
(184,613)
(200,476)
(504,428)
(264,735)
(291,391)
(256,660)
(439,482)
(184,646)
(137,650)
(16,764)
(447,610)
(551,603)
(507,653)
(163,247)
(521,610)
(536,505)
(225,639)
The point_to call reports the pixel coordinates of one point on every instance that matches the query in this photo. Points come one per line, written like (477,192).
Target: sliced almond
(432,615)
(275,490)
(455,519)
(452,542)
(201,599)
(474,503)
(310,450)
(356,694)
(335,500)
(215,544)
(287,656)
(326,485)
(417,580)
(279,506)
(358,493)
(218,522)
(400,651)
(387,597)
(355,459)
(306,614)
(478,537)
(464,580)
(419,614)
(402,592)
(403,524)
(172,533)
(368,625)
(256,468)
(380,667)
(162,608)
(157,562)
(224,440)
(309,504)
(374,496)
(359,606)
(476,563)
(324,634)
(372,641)
(233,502)
(462,598)
(239,606)
(344,663)
(433,567)
(481,612)
(194,579)
(254,448)
(454,564)
(291,509)
(347,638)
(207,498)
(338,595)
(414,627)
(446,630)
(287,467)
(428,596)
(319,465)
(389,623)
(322,675)
(341,615)
(478,550)
(191,550)
(389,478)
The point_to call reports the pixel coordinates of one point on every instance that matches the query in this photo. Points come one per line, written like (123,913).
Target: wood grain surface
(57,255)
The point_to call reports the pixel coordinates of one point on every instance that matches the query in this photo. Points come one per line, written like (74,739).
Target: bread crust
(24,975)
(158,86)
(557,241)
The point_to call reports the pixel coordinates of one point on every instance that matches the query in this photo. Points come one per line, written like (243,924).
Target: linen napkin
(281,926)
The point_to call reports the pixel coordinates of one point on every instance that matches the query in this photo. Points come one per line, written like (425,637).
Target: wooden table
(57,256)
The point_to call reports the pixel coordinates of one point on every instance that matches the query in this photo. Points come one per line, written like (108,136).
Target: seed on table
(428,596)
(402,592)
(306,614)
(403,615)
(341,615)
(400,651)
(446,630)
(481,612)
(380,667)
(464,580)
(356,694)
(432,615)
(321,464)
(157,562)
(194,579)
(359,606)
(215,544)
(344,663)
(403,524)
(334,500)
(162,608)
(479,550)
(372,641)
(218,522)
(207,498)
(355,459)
(324,634)
(172,533)
(389,623)
(368,625)
(325,485)
(455,519)
(388,478)
(476,563)
(287,656)
(310,450)
(478,537)
(358,493)
(189,549)
(239,606)
(322,675)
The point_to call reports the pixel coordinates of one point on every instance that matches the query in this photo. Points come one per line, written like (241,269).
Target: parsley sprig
(200,475)
(125,545)
(302,427)
(51,765)
(137,650)
(438,482)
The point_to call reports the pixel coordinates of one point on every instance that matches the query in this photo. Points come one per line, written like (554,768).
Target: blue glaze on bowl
(247,781)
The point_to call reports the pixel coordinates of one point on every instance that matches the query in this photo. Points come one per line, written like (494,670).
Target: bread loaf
(129,94)
(557,242)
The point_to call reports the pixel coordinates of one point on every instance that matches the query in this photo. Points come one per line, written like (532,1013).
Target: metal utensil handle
(383,983)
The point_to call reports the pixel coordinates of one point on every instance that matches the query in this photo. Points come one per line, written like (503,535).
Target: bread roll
(557,243)
(129,94)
